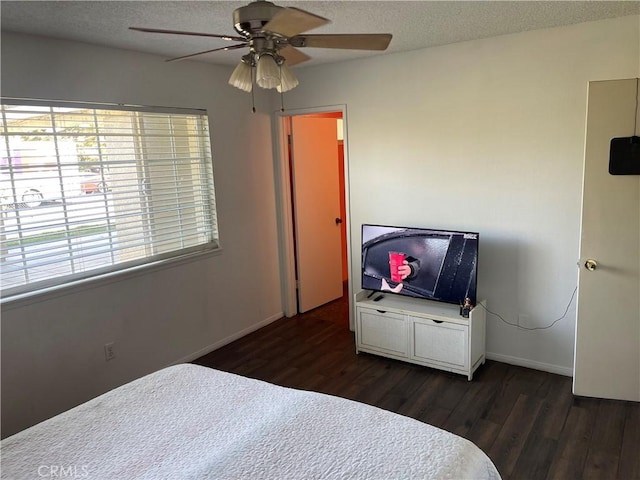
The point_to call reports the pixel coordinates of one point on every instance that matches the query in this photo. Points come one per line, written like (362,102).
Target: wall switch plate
(109,351)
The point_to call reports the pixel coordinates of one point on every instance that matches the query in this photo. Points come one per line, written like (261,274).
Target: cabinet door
(382,331)
(440,342)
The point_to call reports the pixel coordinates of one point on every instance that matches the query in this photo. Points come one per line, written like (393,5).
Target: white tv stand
(420,331)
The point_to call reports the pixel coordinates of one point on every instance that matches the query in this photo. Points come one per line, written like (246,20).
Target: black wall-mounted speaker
(624,156)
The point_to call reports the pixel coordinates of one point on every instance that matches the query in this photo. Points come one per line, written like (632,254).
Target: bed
(193,422)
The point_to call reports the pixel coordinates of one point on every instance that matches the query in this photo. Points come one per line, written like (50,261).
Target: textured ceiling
(414,24)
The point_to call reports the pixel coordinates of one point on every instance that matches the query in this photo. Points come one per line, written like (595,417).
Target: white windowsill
(44,294)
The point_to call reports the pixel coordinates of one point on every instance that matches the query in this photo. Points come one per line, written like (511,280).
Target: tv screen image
(431,264)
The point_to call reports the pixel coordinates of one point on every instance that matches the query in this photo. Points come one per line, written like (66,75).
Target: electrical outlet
(109,351)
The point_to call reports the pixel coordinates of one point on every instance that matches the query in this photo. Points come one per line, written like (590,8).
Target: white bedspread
(192,422)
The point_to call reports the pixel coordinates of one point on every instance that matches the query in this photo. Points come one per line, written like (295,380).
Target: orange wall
(343,211)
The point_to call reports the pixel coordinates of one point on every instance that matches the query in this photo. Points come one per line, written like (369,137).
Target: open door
(317,219)
(607,354)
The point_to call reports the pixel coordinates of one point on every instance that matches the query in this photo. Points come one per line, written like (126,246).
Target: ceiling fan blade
(230,47)
(291,21)
(293,56)
(180,32)
(355,41)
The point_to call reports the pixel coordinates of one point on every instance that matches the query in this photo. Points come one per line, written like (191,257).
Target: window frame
(69,283)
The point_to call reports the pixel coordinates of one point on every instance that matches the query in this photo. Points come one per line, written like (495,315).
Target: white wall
(52,350)
(485,136)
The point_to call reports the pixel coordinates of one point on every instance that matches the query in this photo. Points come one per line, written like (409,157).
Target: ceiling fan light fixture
(273,35)
(288,80)
(268,72)
(242,77)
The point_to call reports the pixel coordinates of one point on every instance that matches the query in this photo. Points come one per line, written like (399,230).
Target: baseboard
(227,340)
(498,357)
(524,362)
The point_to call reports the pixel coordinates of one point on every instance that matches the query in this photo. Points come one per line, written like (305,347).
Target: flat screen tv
(438,265)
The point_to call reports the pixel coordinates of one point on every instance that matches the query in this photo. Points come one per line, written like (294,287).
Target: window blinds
(89,189)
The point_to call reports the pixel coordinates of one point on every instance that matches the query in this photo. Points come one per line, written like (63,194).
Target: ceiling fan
(274,35)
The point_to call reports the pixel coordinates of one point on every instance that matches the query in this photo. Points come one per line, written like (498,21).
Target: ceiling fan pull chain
(253,98)
(281,90)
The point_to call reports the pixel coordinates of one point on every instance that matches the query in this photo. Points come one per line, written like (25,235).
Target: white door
(607,355)
(316,199)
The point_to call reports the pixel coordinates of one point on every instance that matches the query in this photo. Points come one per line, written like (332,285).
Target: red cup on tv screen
(396,259)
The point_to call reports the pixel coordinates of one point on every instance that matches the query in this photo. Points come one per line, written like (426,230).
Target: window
(89,189)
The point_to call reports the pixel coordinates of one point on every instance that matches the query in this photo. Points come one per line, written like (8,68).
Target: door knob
(591,264)
(338,220)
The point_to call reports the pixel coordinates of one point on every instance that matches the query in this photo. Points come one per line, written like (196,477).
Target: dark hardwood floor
(527,421)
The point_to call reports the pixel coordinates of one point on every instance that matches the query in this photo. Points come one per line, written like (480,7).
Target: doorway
(312,173)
